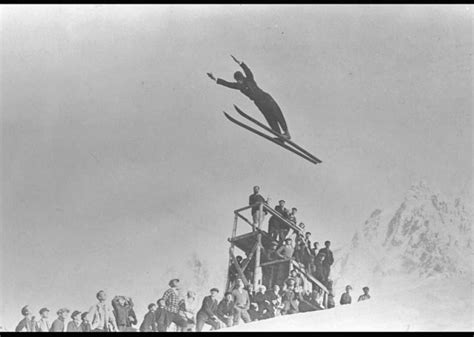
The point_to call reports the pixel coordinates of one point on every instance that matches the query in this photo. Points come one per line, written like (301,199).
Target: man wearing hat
(58,324)
(85,324)
(346,297)
(225,309)
(43,324)
(171,298)
(27,324)
(365,296)
(208,312)
(75,324)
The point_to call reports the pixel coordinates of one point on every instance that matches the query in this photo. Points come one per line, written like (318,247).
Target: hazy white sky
(118,164)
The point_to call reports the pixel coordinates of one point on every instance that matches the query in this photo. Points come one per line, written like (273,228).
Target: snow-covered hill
(417,261)
(430,305)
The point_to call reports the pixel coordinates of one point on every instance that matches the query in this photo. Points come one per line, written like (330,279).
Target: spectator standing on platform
(255,199)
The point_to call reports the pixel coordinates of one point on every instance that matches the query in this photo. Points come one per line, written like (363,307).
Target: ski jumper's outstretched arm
(232,85)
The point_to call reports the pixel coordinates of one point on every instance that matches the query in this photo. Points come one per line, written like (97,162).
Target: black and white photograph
(240,168)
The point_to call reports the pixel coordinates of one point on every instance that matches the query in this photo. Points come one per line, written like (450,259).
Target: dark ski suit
(264,102)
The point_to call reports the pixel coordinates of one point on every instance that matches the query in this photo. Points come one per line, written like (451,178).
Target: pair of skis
(281,141)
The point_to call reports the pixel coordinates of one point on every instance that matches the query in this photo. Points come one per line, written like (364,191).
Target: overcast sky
(118,164)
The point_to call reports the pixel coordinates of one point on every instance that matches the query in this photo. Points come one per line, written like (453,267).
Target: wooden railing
(263,206)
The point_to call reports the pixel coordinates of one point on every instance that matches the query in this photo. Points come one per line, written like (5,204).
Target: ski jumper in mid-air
(264,102)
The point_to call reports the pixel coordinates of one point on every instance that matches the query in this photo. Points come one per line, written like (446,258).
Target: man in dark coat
(274,298)
(274,224)
(264,102)
(27,324)
(328,260)
(225,309)
(208,312)
(123,312)
(346,297)
(161,316)
(149,323)
(319,268)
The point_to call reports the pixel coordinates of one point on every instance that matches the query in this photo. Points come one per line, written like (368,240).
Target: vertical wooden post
(325,300)
(260,215)
(234,229)
(231,251)
(257,279)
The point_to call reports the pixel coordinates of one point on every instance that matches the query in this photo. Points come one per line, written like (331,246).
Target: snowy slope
(432,304)
(417,261)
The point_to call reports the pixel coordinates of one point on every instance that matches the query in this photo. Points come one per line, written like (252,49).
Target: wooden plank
(309,277)
(245,219)
(249,257)
(274,262)
(236,264)
(257,272)
(243,208)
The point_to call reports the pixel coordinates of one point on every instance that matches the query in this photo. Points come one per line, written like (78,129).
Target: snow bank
(403,305)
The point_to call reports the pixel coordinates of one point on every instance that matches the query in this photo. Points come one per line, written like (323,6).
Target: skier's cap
(43,310)
(214,289)
(25,310)
(84,315)
(308,233)
(282,200)
(365,288)
(173,281)
(75,313)
(348,287)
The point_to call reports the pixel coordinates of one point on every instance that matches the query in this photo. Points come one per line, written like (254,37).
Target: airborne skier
(264,102)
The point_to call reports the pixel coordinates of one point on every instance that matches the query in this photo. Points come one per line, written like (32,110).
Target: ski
(245,126)
(243,114)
